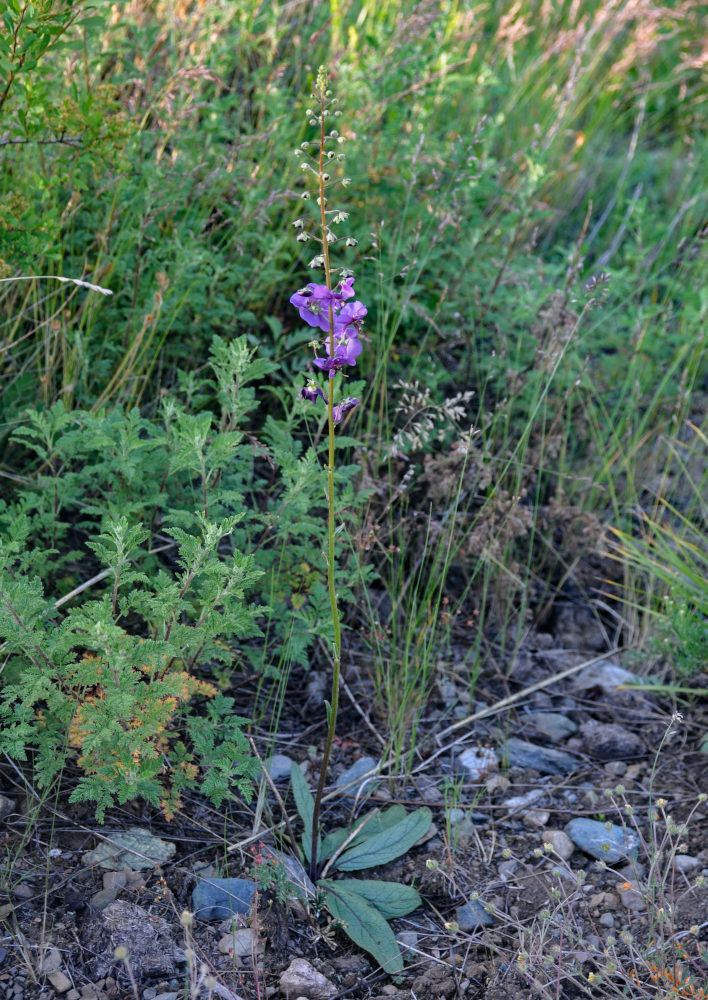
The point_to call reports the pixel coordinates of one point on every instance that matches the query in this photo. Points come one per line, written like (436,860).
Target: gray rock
(605,675)
(279,768)
(221,898)
(477,763)
(357,770)
(135,848)
(608,741)
(603,841)
(301,979)
(560,842)
(507,869)
(241,943)
(145,936)
(103,898)
(407,940)
(607,920)
(472,915)
(461,823)
(685,863)
(7,806)
(519,753)
(552,725)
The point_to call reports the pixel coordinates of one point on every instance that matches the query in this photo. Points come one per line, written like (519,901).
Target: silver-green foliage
(363,907)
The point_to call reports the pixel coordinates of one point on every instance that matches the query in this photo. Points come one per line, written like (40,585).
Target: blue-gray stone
(279,767)
(357,770)
(555,726)
(603,841)
(472,915)
(221,898)
(519,753)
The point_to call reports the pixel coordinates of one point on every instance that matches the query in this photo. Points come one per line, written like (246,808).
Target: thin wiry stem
(334,703)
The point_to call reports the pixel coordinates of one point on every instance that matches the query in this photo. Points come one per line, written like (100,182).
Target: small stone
(547,760)
(171,995)
(472,915)
(115,880)
(461,823)
(685,863)
(607,920)
(241,943)
(615,768)
(632,897)
(279,767)
(59,981)
(535,818)
(103,898)
(51,961)
(608,741)
(73,995)
(7,807)
(407,940)
(301,979)
(607,676)
(517,802)
(497,783)
(135,848)
(478,763)
(220,898)
(507,868)
(356,771)
(560,842)
(603,841)
(552,725)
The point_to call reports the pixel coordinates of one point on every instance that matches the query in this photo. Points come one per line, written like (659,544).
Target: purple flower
(314,301)
(311,392)
(344,407)
(346,350)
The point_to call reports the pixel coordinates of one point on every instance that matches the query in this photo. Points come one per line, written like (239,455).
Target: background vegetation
(528,192)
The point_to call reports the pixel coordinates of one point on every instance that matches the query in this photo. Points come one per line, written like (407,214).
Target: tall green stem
(334,702)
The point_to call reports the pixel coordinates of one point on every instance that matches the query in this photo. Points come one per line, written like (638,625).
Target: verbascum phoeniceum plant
(328,308)
(362,907)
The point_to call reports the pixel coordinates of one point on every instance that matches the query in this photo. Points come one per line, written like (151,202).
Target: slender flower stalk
(326,307)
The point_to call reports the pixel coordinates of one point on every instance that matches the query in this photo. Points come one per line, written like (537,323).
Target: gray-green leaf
(388,844)
(391,899)
(305,806)
(364,925)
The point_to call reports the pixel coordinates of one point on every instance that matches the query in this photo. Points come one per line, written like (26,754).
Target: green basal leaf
(390,843)
(331,843)
(391,899)
(363,924)
(305,806)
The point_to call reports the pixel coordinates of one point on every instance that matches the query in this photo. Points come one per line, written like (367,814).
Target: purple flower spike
(344,407)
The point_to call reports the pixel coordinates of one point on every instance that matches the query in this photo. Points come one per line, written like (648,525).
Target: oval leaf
(305,805)
(364,925)
(387,845)
(391,899)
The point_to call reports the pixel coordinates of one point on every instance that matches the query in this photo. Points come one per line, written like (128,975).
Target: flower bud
(302,237)
(351,242)
(305,195)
